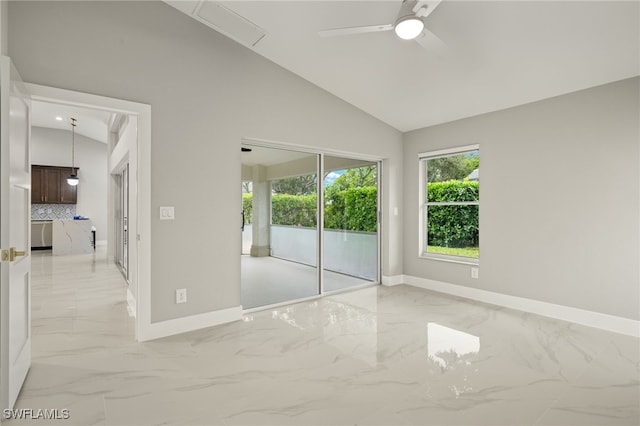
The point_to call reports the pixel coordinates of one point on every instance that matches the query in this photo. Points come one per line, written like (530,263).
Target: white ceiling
(500,53)
(90,122)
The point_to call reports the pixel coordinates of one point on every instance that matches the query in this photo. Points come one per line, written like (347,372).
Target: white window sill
(451,259)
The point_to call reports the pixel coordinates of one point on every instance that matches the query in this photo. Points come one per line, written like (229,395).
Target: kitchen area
(68,140)
(55,224)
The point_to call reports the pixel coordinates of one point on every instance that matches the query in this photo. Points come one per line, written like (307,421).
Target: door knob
(13,253)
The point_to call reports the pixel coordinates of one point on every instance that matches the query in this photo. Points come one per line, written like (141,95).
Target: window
(450,204)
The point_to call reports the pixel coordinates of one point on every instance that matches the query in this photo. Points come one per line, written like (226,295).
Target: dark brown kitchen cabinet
(52,186)
(37,185)
(68,193)
(49,185)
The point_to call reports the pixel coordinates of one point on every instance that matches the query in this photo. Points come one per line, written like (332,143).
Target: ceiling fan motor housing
(409,25)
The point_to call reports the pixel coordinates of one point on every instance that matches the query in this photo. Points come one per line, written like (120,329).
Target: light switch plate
(167,213)
(181,295)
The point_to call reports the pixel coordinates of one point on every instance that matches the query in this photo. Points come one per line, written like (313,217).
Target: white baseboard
(392,280)
(131,303)
(566,313)
(160,329)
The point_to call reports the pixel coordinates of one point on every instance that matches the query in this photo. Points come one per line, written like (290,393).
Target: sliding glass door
(303,236)
(282,213)
(247,229)
(350,236)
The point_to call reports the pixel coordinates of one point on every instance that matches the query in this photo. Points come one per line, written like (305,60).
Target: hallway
(375,356)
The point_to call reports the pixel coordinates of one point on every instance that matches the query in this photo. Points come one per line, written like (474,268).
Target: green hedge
(361,209)
(352,209)
(453,190)
(355,210)
(453,226)
(334,211)
(295,210)
(247,207)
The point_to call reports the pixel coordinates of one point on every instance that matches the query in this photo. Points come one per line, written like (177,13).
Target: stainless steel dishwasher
(41,234)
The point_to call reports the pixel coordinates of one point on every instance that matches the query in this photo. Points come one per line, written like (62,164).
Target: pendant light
(73,178)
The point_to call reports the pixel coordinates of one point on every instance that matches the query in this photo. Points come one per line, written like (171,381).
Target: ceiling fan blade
(354,30)
(432,43)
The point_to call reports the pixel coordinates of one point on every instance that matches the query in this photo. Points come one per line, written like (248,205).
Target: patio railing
(346,252)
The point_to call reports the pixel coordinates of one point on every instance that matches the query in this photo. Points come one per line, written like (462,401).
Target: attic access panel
(229,23)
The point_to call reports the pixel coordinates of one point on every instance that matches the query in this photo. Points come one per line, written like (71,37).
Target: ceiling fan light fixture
(408,27)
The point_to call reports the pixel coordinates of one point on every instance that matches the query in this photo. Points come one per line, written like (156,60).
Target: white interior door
(15,213)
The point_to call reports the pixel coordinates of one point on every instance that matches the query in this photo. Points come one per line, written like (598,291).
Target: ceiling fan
(409,25)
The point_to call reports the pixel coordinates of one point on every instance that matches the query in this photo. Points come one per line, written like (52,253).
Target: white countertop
(72,237)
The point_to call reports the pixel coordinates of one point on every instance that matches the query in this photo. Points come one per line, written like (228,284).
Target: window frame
(423,157)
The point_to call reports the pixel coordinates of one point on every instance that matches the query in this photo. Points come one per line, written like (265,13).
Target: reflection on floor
(375,356)
(268,280)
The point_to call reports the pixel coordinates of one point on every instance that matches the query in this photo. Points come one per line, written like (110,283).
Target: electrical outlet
(181,295)
(167,213)
(474,273)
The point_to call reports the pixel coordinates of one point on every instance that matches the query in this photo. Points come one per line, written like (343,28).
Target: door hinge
(5,255)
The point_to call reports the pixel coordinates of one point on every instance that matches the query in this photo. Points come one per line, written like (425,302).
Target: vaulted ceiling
(499,53)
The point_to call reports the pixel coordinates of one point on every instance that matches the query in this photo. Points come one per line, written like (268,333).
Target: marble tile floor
(375,356)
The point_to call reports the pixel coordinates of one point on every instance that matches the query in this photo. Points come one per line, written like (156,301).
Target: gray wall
(4,27)
(559,200)
(206,92)
(52,147)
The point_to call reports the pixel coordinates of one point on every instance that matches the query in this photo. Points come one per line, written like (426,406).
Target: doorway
(134,150)
(310,224)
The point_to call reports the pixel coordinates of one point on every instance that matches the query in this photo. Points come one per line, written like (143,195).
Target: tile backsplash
(52,211)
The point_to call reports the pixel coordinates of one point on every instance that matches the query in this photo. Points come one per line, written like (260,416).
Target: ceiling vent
(229,23)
